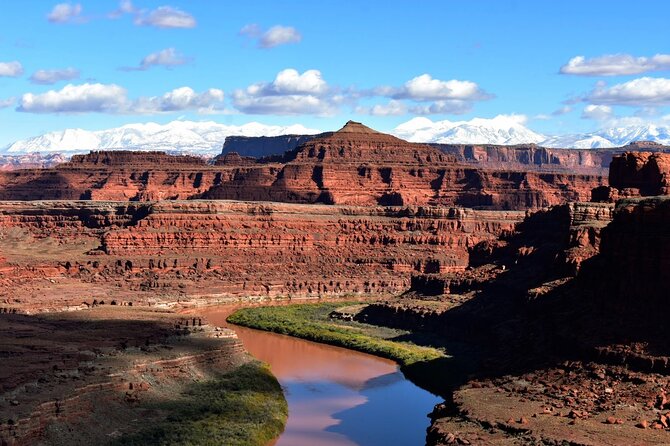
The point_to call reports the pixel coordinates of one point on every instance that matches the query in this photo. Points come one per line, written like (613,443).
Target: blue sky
(321,63)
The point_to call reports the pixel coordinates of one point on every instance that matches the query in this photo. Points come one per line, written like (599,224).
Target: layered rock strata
(242,248)
(353,166)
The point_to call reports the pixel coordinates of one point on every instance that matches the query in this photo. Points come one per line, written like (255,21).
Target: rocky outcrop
(635,174)
(353,166)
(129,159)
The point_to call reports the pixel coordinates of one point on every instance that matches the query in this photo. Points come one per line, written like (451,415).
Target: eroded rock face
(241,249)
(635,253)
(353,166)
(641,173)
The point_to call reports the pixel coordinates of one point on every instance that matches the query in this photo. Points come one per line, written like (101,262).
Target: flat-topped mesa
(122,158)
(357,143)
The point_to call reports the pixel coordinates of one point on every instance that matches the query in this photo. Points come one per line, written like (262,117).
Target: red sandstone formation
(178,248)
(357,165)
(353,166)
(522,157)
(635,174)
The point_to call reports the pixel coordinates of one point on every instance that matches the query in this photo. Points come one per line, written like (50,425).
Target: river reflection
(338,397)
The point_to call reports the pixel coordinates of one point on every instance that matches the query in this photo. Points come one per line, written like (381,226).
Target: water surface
(338,397)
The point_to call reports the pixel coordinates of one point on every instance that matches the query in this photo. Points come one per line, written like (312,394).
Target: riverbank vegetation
(423,365)
(243,407)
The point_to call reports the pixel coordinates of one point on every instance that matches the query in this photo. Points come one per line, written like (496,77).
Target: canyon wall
(238,249)
(529,157)
(634,255)
(353,166)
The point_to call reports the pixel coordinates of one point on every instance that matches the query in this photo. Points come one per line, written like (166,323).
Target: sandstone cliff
(235,249)
(353,166)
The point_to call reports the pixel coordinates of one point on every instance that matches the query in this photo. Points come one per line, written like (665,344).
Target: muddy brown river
(338,397)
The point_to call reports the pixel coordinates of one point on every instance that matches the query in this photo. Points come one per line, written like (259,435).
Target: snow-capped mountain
(503,129)
(205,138)
(509,129)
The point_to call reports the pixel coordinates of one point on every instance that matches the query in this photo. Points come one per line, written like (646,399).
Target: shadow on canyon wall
(505,330)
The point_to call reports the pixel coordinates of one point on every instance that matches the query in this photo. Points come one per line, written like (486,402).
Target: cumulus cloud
(165,17)
(597,112)
(425,88)
(180,99)
(424,95)
(289,93)
(279,35)
(66,13)
(615,65)
(49,77)
(75,99)
(273,37)
(642,92)
(111,98)
(290,81)
(11,69)
(168,58)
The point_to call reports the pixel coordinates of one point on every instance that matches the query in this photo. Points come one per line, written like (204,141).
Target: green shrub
(242,407)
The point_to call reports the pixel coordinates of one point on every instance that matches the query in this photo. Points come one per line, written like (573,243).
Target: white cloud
(76,99)
(48,77)
(289,93)
(392,108)
(125,7)
(562,111)
(11,69)
(282,105)
(642,92)
(179,99)
(290,81)
(66,13)
(433,96)
(425,88)
(4,103)
(616,65)
(251,30)
(273,37)
(111,98)
(449,107)
(597,112)
(168,58)
(279,35)
(166,17)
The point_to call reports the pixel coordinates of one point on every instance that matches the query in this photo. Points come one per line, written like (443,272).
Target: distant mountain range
(508,130)
(202,138)
(206,138)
